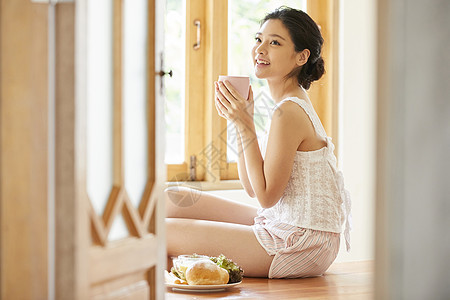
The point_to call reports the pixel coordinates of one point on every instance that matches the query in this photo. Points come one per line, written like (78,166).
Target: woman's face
(274,54)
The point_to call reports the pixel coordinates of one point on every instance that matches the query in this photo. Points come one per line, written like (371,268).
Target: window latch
(193,168)
(162,73)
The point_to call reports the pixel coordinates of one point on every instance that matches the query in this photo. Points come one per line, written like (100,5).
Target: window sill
(208,186)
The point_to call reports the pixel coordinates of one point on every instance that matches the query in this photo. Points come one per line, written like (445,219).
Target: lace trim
(346,202)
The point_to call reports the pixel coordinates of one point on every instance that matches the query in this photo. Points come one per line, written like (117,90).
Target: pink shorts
(299,252)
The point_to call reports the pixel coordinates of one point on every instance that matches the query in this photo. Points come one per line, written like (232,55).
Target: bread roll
(205,272)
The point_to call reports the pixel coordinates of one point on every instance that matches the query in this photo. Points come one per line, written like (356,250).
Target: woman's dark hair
(305,34)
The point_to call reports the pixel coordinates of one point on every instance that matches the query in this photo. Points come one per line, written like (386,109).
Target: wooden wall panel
(23,155)
(324,93)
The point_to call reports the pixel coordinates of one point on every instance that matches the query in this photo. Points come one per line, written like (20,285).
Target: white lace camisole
(315,196)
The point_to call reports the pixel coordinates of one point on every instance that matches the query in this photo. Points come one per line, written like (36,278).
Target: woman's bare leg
(182,202)
(235,241)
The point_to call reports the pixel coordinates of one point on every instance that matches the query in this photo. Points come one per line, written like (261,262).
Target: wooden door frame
(71,219)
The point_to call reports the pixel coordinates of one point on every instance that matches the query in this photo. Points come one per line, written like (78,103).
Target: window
(174,49)
(200,145)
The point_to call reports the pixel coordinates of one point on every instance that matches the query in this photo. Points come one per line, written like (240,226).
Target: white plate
(201,288)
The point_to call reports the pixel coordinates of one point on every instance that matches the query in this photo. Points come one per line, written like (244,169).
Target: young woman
(296,233)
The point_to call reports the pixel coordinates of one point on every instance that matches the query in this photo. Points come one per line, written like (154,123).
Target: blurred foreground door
(116,175)
(82,156)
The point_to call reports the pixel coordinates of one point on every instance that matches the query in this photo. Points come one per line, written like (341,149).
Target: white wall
(357,121)
(357,142)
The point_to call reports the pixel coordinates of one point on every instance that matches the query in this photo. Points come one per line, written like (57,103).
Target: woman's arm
(242,168)
(268,176)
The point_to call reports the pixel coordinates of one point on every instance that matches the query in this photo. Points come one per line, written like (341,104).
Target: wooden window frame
(205,129)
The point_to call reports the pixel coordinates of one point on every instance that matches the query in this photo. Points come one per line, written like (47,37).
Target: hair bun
(311,72)
(317,69)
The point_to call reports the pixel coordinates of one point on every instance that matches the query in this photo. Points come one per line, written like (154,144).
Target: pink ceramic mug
(240,83)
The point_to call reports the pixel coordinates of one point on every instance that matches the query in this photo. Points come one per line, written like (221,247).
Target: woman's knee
(178,199)
(182,196)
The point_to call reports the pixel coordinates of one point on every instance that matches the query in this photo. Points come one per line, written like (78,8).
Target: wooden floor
(342,281)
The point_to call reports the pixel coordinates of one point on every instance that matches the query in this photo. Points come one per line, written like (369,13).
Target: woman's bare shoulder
(291,112)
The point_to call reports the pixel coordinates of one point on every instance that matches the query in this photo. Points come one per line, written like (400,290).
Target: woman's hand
(232,106)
